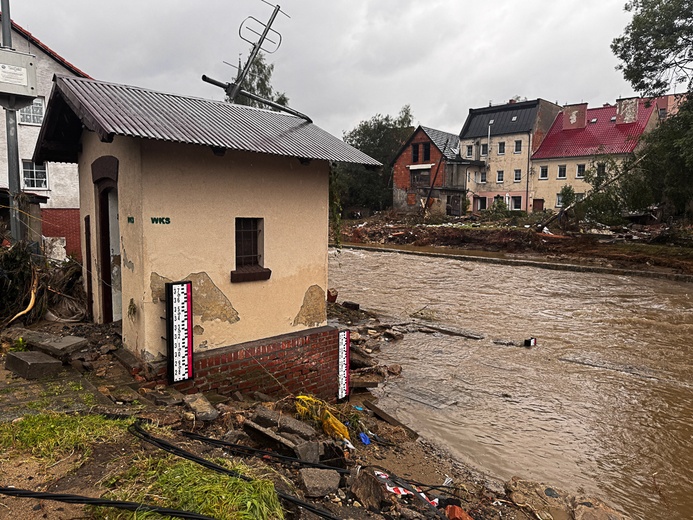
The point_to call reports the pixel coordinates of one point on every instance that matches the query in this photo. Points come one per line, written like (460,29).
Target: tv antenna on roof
(253,26)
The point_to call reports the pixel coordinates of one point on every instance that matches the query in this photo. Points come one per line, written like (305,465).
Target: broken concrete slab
(319,483)
(266,434)
(32,365)
(308,451)
(52,344)
(369,491)
(283,423)
(201,407)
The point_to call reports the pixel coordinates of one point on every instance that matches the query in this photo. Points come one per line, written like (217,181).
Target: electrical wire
(249,452)
(102,502)
(136,430)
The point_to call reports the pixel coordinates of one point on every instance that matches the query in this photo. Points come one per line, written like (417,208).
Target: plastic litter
(364,438)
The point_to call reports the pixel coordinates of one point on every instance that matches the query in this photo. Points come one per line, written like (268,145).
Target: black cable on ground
(246,451)
(141,434)
(101,502)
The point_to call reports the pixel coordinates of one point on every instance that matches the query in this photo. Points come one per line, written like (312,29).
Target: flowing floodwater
(602,405)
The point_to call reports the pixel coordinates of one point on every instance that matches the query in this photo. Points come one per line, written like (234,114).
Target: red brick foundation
(63,223)
(289,364)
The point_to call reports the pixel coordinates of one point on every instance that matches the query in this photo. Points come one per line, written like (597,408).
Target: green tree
(258,81)
(656,49)
(381,137)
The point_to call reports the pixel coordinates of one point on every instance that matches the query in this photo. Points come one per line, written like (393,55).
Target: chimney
(574,116)
(626,110)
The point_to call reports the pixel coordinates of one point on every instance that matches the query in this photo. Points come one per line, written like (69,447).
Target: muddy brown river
(603,404)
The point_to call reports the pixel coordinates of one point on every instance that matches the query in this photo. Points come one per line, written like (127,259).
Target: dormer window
(514,119)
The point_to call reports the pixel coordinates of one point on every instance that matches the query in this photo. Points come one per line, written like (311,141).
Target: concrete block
(32,365)
(319,483)
(51,344)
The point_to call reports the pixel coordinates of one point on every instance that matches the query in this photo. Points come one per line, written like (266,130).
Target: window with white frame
(33,114)
(34,175)
(484,149)
(518,176)
(501,148)
(516,202)
(580,172)
(543,173)
(499,176)
(470,150)
(518,146)
(482,177)
(561,171)
(559,200)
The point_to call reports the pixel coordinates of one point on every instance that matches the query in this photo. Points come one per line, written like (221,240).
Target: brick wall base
(63,223)
(306,361)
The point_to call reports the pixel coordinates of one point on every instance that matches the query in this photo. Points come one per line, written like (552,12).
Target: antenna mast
(234,89)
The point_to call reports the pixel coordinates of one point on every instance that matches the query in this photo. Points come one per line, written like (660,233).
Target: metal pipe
(229,86)
(6,24)
(256,49)
(12,142)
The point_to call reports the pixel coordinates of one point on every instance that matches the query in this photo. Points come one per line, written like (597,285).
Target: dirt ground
(657,248)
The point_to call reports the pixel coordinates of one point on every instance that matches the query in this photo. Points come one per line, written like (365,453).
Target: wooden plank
(382,414)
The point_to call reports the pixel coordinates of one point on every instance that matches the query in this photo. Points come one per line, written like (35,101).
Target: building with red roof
(582,139)
(55,185)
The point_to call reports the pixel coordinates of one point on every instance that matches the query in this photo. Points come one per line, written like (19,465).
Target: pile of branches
(32,289)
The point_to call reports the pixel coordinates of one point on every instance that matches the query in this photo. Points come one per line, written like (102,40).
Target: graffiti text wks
(161,220)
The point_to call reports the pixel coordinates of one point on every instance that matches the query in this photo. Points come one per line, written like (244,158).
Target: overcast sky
(343,61)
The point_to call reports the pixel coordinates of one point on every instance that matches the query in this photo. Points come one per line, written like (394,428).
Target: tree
(381,137)
(258,81)
(656,51)
(656,48)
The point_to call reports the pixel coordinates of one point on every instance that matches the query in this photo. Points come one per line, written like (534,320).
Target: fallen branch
(32,301)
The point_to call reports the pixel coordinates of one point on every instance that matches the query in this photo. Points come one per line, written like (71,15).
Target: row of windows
(501,148)
(500,176)
(515,202)
(562,172)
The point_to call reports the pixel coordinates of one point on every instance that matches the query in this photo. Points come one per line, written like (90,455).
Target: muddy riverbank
(602,403)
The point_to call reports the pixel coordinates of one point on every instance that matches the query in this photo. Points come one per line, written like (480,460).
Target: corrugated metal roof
(111,109)
(601,135)
(440,138)
(511,118)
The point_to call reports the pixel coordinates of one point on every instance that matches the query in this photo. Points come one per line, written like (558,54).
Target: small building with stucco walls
(231,198)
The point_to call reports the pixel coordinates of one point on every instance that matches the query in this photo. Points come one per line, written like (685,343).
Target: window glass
(543,172)
(580,170)
(499,176)
(247,241)
(35,175)
(559,200)
(33,114)
(518,175)
(470,150)
(516,202)
(518,146)
(501,148)
(421,178)
(482,177)
(415,152)
(484,149)
(427,151)
(561,171)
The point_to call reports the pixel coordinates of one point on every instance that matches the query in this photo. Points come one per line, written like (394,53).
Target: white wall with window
(34,176)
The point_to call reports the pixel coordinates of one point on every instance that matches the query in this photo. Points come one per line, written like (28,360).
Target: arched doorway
(105,177)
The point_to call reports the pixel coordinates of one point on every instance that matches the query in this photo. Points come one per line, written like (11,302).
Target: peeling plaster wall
(201,195)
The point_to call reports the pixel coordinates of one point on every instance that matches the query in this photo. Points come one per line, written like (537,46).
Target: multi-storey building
(501,140)
(583,139)
(54,184)
(428,171)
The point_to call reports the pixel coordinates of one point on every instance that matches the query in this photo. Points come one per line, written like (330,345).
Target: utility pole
(14,181)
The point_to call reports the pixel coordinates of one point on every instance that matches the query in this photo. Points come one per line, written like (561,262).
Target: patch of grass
(52,435)
(180,484)
(89,399)
(19,345)
(75,386)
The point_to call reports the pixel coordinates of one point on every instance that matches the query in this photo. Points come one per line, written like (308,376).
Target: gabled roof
(603,136)
(110,109)
(511,118)
(447,143)
(45,48)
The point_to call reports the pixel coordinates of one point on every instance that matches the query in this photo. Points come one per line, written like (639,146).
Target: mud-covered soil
(645,248)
